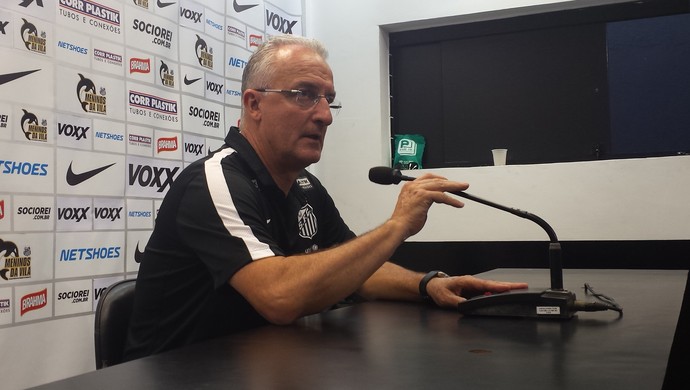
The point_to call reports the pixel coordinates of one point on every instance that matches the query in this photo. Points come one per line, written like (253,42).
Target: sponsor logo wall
(102,104)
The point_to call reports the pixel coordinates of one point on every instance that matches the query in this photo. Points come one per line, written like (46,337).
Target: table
(391,345)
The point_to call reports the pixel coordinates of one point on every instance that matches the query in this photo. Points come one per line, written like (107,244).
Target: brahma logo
(34,301)
(255,40)
(32,40)
(2,209)
(33,131)
(90,100)
(204,54)
(166,144)
(139,65)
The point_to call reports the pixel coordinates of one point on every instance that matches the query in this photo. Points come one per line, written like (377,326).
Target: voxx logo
(3,24)
(76,214)
(214,87)
(70,130)
(195,149)
(279,23)
(148,176)
(192,15)
(107,213)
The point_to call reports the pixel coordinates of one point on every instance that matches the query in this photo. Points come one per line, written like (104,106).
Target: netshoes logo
(23,168)
(34,301)
(103,253)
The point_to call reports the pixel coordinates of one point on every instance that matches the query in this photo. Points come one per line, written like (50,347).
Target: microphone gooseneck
(551,303)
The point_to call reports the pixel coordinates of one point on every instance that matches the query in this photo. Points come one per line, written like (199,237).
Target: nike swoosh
(190,82)
(77,178)
(163,5)
(138,255)
(241,8)
(7,77)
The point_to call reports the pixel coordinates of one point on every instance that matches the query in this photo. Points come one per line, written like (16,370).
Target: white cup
(499,156)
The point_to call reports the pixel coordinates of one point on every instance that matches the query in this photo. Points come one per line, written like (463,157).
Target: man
(247,236)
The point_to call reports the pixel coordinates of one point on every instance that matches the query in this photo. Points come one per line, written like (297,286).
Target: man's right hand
(417,196)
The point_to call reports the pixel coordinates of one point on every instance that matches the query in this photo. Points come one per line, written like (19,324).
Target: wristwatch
(425,280)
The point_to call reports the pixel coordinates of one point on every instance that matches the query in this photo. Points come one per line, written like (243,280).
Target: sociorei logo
(31,38)
(74,179)
(33,131)
(38,212)
(167,75)
(161,36)
(7,77)
(211,118)
(241,8)
(90,100)
(34,301)
(76,296)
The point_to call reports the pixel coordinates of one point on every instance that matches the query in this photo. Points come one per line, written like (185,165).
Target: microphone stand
(554,302)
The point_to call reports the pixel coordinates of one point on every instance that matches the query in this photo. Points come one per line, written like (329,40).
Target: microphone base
(548,304)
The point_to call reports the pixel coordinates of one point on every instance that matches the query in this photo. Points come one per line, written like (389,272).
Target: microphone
(554,302)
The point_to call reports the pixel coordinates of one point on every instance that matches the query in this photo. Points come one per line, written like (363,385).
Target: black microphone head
(385,175)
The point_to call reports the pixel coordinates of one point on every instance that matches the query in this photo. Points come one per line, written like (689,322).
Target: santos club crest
(306,221)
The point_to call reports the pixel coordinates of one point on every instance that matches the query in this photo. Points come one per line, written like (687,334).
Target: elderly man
(246,236)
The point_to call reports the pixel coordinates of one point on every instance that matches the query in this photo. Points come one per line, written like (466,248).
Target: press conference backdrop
(102,104)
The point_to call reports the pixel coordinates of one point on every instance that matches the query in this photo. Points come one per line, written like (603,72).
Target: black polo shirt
(221,213)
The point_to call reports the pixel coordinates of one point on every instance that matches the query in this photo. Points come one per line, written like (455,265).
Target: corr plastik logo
(407,147)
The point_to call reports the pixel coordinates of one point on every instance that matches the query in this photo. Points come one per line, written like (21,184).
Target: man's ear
(251,100)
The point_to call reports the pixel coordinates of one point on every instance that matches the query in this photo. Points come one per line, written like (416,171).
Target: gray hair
(260,68)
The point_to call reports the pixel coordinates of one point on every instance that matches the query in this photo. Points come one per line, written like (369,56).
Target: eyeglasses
(307,99)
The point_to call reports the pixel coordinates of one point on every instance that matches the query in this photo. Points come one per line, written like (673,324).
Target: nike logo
(7,77)
(77,178)
(190,82)
(241,8)
(138,255)
(163,5)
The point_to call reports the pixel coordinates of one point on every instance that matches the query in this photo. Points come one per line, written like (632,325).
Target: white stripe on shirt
(220,194)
